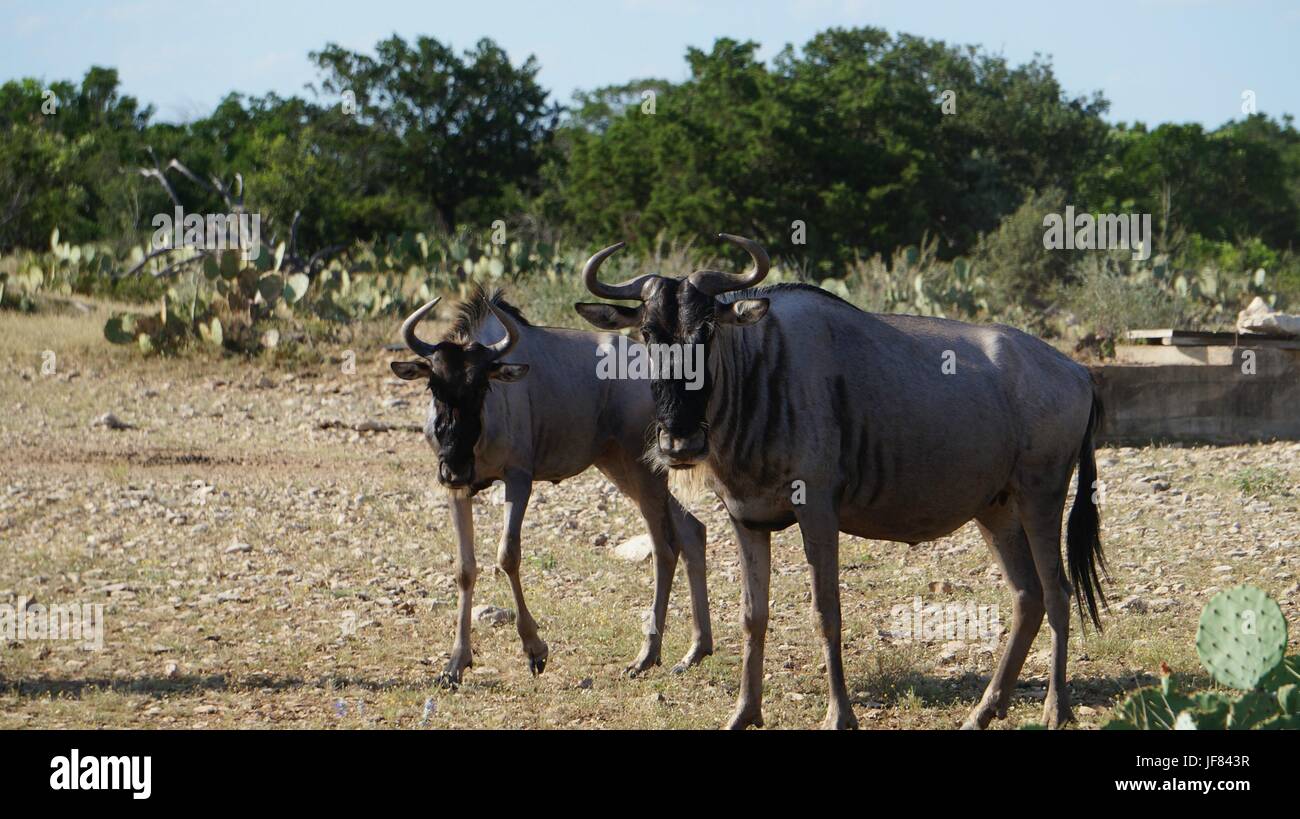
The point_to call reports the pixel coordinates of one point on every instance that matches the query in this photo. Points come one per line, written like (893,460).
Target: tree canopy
(869,141)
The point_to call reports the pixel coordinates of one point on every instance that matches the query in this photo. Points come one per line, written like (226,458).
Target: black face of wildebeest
(685,313)
(459,376)
(677,314)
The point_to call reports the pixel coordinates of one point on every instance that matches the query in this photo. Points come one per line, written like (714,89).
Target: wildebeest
(889,427)
(488,423)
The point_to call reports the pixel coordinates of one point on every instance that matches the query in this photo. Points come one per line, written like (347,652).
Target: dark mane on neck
(471,312)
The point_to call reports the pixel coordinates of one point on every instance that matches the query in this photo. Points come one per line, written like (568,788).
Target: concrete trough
(1212,394)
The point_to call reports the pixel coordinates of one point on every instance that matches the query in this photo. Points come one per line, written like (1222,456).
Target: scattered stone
(110,421)
(1134,605)
(635,550)
(492,616)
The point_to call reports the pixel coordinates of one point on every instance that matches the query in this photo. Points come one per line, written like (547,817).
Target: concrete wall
(1197,403)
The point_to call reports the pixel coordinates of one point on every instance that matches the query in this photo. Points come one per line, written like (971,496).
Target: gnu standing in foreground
(856,409)
(560,420)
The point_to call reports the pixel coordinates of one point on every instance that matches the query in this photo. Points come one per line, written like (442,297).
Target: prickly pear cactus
(1242,637)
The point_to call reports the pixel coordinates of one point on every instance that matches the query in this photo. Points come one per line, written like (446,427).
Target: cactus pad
(1242,636)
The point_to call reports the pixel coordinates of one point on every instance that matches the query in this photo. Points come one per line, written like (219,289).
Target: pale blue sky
(1155,60)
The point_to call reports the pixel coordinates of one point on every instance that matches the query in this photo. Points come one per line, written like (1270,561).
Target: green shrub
(1109,303)
(1019,269)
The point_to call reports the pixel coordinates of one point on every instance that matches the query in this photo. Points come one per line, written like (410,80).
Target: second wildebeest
(544,415)
(888,427)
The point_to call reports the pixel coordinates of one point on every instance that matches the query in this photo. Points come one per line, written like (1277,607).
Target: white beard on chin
(455,492)
(691,484)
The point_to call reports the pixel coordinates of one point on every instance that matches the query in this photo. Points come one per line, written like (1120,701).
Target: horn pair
(711,282)
(423,348)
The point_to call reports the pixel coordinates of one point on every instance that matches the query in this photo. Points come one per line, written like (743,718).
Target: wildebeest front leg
(756,574)
(821,545)
(518,489)
(462,518)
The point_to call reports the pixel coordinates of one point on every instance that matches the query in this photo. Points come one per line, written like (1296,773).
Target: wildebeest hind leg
(690,534)
(1041,517)
(650,493)
(1006,538)
(652,499)
(518,489)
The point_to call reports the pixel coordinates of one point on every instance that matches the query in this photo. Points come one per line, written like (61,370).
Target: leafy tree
(847,135)
(1230,185)
(455,130)
(61,158)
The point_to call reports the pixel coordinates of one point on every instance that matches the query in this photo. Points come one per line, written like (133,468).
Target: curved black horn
(630,289)
(503,346)
(417,346)
(715,283)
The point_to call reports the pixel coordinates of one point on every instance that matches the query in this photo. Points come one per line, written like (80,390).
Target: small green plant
(1241,641)
(1261,481)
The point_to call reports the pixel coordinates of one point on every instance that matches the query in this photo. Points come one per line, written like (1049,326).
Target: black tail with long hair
(1083,532)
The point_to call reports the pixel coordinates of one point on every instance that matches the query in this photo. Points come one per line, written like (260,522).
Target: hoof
(1057,718)
(639,666)
(451,675)
(980,718)
(693,658)
(537,652)
(1056,711)
(744,718)
(842,721)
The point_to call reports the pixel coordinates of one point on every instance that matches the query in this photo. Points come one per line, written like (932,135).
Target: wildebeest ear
(412,370)
(741,311)
(508,372)
(610,316)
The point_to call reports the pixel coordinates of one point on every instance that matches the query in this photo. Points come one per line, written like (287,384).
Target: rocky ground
(268,552)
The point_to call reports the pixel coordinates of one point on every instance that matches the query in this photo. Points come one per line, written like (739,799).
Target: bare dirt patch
(268,556)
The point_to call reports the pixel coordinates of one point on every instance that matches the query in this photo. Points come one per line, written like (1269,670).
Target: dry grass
(341,532)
